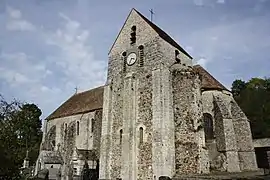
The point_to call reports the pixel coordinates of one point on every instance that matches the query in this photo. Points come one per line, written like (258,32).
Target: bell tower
(138,131)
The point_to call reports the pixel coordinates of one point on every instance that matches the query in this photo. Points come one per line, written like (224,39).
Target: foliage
(20,128)
(254,99)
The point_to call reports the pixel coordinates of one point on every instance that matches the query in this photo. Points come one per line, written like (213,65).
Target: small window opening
(133,28)
(51,166)
(92,125)
(124,58)
(65,128)
(53,143)
(121,136)
(176,56)
(78,128)
(208,126)
(141,54)
(133,35)
(141,135)
(75,171)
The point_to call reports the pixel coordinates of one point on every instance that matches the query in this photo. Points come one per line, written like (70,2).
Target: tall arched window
(92,125)
(133,35)
(121,136)
(176,56)
(141,135)
(65,128)
(78,128)
(208,126)
(141,54)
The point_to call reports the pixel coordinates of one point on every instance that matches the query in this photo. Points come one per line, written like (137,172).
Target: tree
(238,86)
(254,99)
(20,127)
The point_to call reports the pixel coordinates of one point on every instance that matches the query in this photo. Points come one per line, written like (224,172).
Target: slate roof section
(208,81)
(80,103)
(164,35)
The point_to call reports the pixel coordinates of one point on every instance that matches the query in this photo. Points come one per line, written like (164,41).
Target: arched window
(208,126)
(133,35)
(124,58)
(65,128)
(92,125)
(141,135)
(176,56)
(121,136)
(53,143)
(78,128)
(141,54)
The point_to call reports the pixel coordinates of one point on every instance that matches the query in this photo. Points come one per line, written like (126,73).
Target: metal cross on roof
(152,13)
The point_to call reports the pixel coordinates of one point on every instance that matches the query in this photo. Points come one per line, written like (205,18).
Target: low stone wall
(264,142)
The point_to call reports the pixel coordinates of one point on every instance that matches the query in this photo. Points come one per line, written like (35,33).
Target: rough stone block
(232,161)
(247,161)
(243,135)
(230,139)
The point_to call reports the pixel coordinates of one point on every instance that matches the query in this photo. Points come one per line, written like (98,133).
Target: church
(156,115)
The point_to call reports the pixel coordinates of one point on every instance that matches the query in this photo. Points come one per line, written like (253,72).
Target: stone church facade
(157,115)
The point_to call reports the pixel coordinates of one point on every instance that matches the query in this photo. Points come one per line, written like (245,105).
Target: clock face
(131,59)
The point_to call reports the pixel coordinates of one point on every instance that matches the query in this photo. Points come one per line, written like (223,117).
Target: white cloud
(76,58)
(203,62)
(18,69)
(16,22)
(14,13)
(198,2)
(20,25)
(221,1)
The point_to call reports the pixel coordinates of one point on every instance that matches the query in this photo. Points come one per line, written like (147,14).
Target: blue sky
(48,47)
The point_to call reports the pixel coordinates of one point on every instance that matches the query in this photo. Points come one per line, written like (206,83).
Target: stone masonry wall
(189,137)
(145,118)
(66,138)
(47,144)
(97,131)
(117,125)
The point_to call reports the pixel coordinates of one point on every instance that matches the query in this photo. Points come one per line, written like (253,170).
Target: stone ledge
(249,175)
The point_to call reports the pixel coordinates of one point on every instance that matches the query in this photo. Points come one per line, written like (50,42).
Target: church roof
(208,81)
(80,103)
(93,99)
(164,35)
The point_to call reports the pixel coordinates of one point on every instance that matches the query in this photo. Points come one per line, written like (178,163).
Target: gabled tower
(138,125)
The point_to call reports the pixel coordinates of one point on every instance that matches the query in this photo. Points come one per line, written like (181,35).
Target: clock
(131,59)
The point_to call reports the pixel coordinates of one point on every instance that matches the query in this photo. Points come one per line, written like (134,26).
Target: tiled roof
(93,99)
(208,81)
(80,103)
(164,35)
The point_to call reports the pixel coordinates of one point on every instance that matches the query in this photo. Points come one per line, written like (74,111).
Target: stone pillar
(163,126)
(129,147)
(105,144)
(225,134)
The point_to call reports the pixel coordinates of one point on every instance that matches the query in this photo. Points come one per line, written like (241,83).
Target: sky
(50,47)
